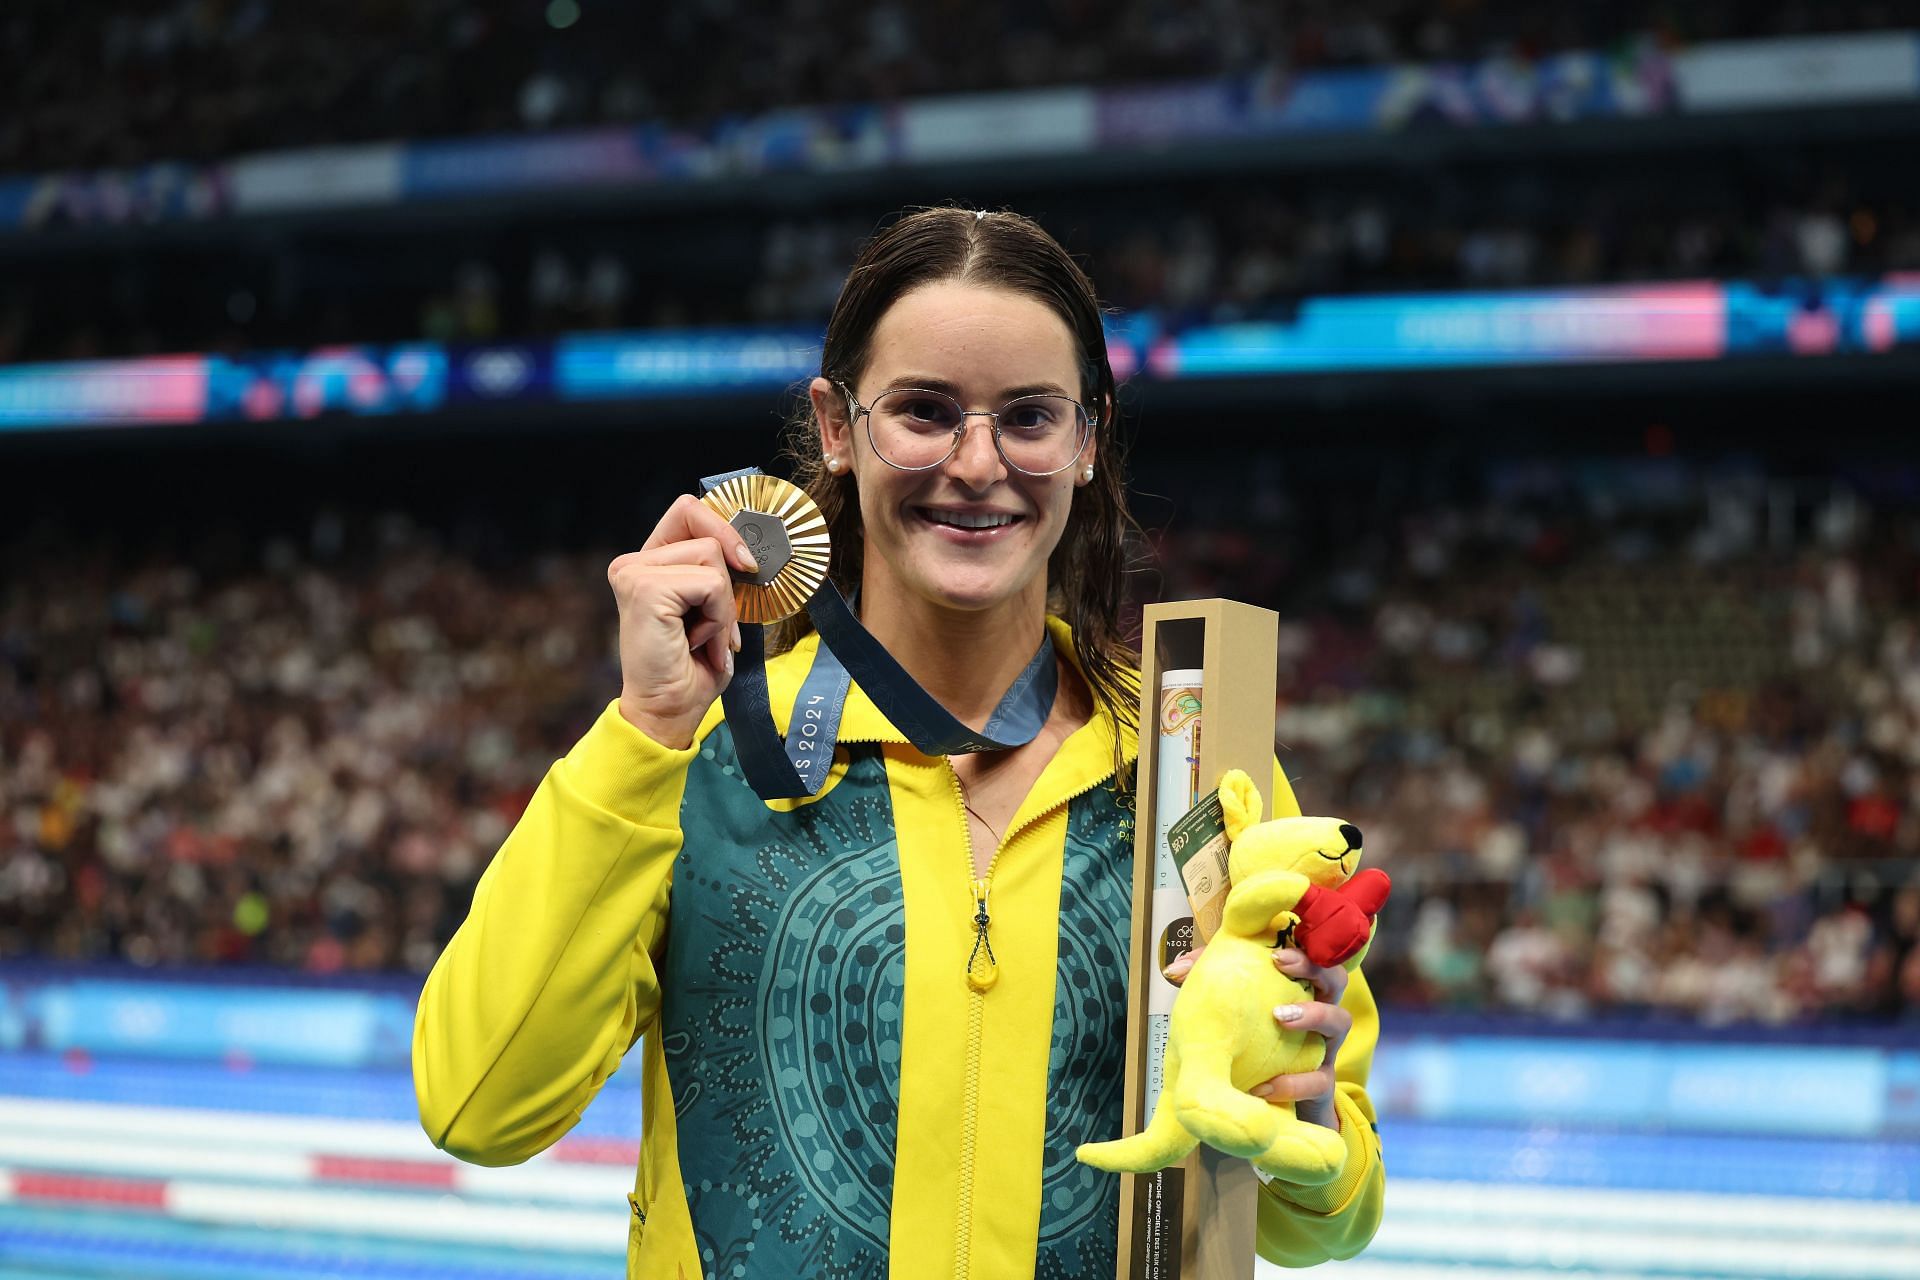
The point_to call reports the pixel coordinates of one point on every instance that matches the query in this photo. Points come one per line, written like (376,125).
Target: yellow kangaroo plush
(1223,1038)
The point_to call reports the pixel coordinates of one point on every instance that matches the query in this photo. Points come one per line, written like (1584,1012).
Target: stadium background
(1550,373)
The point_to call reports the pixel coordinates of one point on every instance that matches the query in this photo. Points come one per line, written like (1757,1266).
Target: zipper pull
(982,971)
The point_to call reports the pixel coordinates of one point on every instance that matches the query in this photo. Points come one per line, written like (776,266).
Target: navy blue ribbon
(847,654)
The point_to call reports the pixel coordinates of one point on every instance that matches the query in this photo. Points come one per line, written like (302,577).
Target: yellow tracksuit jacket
(824,1094)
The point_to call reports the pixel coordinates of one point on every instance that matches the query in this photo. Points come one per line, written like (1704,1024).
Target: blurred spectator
(1614,758)
(300,766)
(113,83)
(1199,254)
(1713,815)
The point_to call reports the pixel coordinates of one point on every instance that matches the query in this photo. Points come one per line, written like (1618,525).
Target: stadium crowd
(1621,763)
(1231,253)
(1635,760)
(119,83)
(1218,254)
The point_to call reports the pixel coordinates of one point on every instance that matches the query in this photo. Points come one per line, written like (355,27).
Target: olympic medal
(788,538)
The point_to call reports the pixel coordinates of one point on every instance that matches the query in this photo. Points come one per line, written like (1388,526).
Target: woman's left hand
(1311,1092)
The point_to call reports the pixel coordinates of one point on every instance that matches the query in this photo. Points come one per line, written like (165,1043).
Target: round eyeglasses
(917,429)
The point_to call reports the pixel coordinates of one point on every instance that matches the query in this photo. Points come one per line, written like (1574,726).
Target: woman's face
(982,346)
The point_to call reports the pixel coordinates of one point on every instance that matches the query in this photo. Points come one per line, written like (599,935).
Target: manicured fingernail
(1288,956)
(1263,1090)
(736,637)
(728,663)
(745,558)
(1288,1012)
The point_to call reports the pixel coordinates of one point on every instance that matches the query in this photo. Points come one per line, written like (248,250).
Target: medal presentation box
(1196,1220)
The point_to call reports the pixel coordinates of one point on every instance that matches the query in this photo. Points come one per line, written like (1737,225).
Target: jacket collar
(1087,754)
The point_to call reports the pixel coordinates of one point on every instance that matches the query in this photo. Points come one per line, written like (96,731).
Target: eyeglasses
(916,429)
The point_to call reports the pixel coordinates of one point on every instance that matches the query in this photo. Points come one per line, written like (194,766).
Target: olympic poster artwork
(1177,778)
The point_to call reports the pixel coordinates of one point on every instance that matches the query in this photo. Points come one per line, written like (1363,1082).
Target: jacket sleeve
(551,978)
(1305,1226)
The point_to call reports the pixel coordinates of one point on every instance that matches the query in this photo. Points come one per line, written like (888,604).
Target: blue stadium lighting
(1689,322)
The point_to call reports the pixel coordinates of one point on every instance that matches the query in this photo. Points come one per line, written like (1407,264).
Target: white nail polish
(1288,1012)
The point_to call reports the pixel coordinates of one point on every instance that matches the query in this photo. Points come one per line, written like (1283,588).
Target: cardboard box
(1195,1221)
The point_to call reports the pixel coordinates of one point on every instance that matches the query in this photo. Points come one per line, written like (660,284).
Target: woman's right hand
(678,628)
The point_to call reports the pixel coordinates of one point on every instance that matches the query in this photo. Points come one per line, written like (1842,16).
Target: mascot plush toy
(1293,885)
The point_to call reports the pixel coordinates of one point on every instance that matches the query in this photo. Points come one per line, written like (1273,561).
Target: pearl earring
(1086,473)
(833,465)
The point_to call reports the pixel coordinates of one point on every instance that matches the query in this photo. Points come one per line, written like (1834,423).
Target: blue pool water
(69,1244)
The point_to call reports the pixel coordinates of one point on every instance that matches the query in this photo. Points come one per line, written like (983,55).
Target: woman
(877,1020)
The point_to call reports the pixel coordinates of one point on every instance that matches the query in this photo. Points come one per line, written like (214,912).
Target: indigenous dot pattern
(785,969)
(786,963)
(1079,1205)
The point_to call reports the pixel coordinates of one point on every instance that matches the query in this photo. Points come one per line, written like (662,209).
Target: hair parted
(1002,250)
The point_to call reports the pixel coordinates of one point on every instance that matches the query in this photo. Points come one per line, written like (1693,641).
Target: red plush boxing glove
(1336,923)
(1367,890)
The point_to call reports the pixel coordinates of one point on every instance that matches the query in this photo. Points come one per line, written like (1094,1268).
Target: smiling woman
(960,541)
(983,308)
(983,337)
(876,1021)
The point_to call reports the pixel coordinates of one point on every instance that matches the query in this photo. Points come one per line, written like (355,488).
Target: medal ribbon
(848,653)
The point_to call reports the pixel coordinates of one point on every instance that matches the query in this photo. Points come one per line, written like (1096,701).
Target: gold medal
(788,538)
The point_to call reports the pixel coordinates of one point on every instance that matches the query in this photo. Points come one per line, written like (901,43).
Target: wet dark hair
(1086,572)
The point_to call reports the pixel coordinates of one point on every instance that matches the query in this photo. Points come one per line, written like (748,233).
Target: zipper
(983,969)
